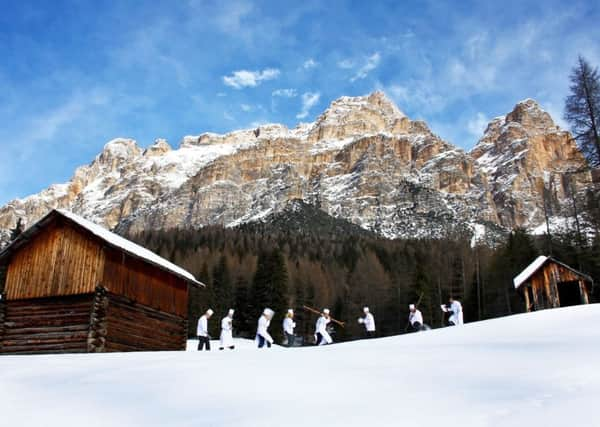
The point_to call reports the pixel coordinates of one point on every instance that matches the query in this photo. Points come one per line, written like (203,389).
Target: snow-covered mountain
(535,369)
(362,160)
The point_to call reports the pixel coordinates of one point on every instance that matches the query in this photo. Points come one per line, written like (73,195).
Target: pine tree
(16,232)
(244,317)
(582,109)
(261,297)
(279,290)
(222,286)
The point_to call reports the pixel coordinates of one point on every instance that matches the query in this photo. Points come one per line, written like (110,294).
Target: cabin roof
(538,263)
(108,237)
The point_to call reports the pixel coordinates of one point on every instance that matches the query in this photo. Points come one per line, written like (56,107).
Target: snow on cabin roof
(531,268)
(129,247)
(108,237)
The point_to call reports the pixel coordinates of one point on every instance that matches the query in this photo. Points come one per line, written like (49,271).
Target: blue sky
(75,74)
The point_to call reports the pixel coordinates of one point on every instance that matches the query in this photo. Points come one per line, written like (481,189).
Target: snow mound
(516,371)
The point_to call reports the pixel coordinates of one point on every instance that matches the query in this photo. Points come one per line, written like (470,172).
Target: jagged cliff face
(525,155)
(362,160)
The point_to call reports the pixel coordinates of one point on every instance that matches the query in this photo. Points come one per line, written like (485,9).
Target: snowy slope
(538,369)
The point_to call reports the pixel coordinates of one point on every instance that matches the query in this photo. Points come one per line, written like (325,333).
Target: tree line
(252,267)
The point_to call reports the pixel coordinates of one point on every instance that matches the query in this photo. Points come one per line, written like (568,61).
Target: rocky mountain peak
(120,148)
(351,116)
(531,116)
(522,153)
(160,147)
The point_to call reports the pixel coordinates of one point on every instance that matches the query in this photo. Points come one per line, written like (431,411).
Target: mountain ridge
(362,160)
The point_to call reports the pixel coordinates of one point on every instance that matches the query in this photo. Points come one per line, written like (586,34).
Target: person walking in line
(454,307)
(288,328)
(322,337)
(415,318)
(227,331)
(262,334)
(202,331)
(369,322)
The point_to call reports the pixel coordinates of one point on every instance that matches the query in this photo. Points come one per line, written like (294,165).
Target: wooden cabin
(69,285)
(549,283)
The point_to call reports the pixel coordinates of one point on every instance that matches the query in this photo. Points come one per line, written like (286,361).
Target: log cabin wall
(60,260)
(67,291)
(545,282)
(144,283)
(131,326)
(47,325)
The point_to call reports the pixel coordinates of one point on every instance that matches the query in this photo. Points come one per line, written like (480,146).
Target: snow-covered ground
(539,369)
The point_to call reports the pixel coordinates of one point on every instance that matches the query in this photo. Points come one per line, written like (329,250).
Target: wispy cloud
(415,95)
(346,64)
(244,78)
(231,17)
(285,93)
(477,125)
(309,100)
(370,64)
(246,108)
(309,63)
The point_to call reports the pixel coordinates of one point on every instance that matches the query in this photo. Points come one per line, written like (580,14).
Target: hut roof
(538,263)
(110,238)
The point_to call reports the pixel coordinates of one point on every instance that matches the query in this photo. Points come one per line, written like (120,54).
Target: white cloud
(285,93)
(371,63)
(245,107)
(228,116)
(221,94)
(309,100)
(309,63)
(346,64)
(415,96)
(477,125)
(230,18)
(244,78)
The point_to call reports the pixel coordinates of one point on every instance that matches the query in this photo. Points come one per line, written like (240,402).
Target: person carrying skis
(227,331)
(369,322)
(288,327)
(415,318)
(322,337)
(262,335)
(454,307)
(202,331)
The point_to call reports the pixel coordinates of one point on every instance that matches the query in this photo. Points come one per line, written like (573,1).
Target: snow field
(537,369)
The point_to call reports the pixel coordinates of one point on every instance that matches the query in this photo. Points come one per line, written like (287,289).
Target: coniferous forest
(260,265)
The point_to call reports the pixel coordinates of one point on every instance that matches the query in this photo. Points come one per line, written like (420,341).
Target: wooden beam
(96,338)
(583,292)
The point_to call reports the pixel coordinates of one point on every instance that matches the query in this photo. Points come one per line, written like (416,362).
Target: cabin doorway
(569,293)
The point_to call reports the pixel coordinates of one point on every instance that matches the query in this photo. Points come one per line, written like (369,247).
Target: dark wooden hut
(549,283)
(69,285)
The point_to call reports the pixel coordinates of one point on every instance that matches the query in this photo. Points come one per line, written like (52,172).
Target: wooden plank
(131,325)
(46,324)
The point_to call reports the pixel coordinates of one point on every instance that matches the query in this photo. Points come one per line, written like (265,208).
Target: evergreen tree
(221,280)
(582,109)
(244,317)
(19,228)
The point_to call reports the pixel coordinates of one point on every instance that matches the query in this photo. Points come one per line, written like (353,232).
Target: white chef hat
(230,312)
(366,309)
(411,307)
(290,311)
(325,311)
(268,312)
(209,312)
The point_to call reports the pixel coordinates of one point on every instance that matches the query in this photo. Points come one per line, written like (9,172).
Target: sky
(76,74)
